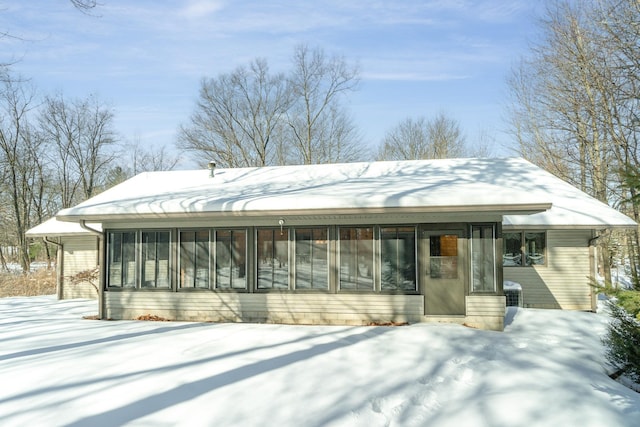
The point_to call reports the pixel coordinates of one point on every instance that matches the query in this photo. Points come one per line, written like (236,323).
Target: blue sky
(146,58)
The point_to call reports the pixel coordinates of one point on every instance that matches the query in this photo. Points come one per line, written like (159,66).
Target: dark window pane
(155,255)
(398,258)
(535,248)
(273,259)
(356,258)
(194,259)
(511,249)
(482,258)
(231,259)
(122,259)
(311,258)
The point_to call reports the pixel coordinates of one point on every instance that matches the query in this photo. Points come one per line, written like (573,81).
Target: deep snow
(546,369)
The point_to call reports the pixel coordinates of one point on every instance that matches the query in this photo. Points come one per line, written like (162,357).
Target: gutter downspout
(59,266)
(593,265)
(100,235)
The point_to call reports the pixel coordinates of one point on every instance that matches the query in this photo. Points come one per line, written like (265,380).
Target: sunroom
(352,243)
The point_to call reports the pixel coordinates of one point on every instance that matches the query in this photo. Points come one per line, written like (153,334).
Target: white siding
(80,254)
(265,307)
(564,281)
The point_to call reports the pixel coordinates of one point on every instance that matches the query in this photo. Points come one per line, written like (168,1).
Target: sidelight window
(398,258)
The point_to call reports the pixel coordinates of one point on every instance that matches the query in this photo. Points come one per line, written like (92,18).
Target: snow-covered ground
(546,369)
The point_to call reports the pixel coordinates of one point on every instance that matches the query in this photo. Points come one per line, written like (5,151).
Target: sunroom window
(155,259)
(312,266)
(194,259)
(138,259)
(356,259)
(273,258)
(231,259)
(122,259)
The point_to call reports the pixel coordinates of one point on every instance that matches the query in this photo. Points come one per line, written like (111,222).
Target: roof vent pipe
(212,168)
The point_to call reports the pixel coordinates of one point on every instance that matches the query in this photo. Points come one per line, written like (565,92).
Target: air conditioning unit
(513,292)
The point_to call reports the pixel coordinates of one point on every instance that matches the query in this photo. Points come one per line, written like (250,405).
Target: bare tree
(251,117)
(19,151)
(82,140)
(136,159)
(238,117)
(413,139)
(321,130)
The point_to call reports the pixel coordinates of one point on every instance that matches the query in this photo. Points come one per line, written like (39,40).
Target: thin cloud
(200,8)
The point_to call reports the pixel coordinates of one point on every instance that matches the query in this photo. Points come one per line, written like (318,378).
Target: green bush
(623,341)
(630,301)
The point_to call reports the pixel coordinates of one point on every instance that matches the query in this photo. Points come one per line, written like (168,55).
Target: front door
(443,271)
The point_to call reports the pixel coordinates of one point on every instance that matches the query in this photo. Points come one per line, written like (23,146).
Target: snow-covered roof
(509,186)
(570,207)
(55,228)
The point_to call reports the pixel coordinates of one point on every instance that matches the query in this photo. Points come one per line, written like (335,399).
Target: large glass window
(155,259)
(122,259)
(273,258)
(231,259)
(398,256)
(312,269)
(482,258)
(194,259)
(443,256)
(515,253)
(356,258)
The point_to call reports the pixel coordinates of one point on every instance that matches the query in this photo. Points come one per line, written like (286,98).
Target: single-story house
(357,243)
(77,252)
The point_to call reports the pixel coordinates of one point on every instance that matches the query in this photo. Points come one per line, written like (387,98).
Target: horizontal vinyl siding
(485,311)
(266,307)
(80,254)
(564,281)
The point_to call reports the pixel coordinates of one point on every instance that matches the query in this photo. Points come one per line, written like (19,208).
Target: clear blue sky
(146,58)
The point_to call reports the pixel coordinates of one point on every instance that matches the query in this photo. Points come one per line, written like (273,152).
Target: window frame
(214,261)
(139,257)
(492,252)
(524,253)
(327,258)
(179,283)
(372,269)
(256,266)
(379,258)
(143,259)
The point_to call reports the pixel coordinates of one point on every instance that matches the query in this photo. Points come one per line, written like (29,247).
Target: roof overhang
(54,227)
(502,209)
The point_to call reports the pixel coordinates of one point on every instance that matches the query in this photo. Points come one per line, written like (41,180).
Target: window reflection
(312,269)
(398,256)
(443,256)
(356,258)
(231,259)
(273,259)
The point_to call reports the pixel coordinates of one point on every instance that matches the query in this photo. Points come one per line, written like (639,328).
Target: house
(77,252)
(358,243)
